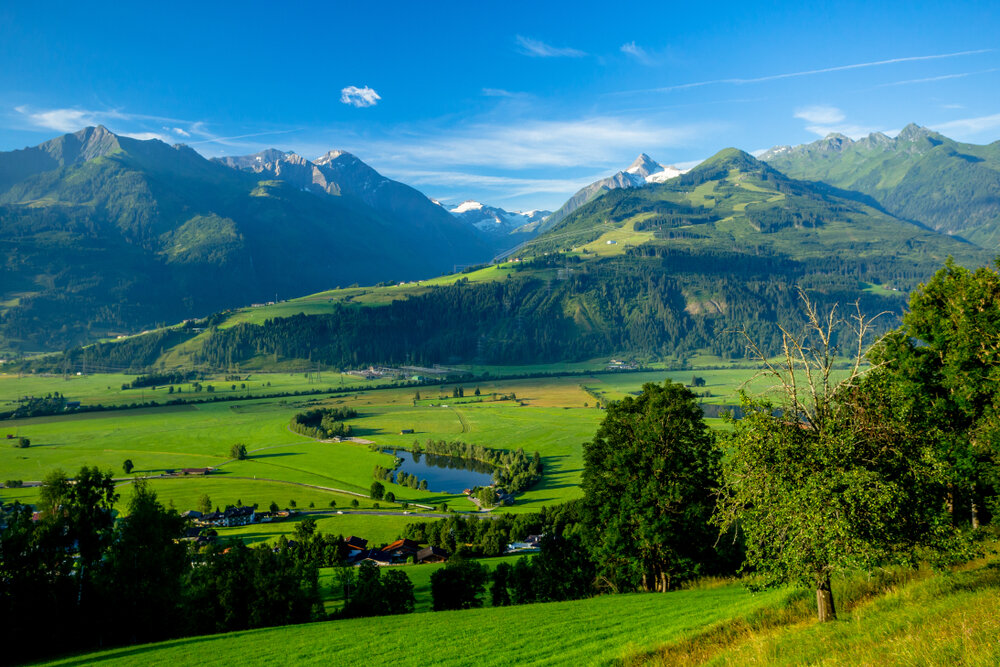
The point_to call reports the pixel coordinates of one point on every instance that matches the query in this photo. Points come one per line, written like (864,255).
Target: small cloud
(359,97)
(146,136)
(637,52)
(952,106)
(968,127)
(61,120)
(820,114)
(181,132)
(539,49)
(498,92)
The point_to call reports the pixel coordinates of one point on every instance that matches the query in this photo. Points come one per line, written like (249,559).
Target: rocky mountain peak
(644,166)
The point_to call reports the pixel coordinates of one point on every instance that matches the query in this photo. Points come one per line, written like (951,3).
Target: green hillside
(594,631)
(651,272)
(106,235)
(919,175)
(911,618)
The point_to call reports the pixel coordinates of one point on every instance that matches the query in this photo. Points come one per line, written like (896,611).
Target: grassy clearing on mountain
(591,631)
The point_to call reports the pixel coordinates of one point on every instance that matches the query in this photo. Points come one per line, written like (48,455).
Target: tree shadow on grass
(139,650)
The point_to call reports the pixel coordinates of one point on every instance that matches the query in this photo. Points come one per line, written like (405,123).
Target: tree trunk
(824,601)
(975,515)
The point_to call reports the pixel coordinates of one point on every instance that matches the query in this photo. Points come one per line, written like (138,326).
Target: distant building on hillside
(400,550)
(432,555)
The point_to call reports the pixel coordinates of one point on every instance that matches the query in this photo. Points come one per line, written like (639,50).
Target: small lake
(445,474)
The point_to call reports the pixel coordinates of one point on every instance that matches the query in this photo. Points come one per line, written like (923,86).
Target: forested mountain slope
(919,175)
(104,234)
(651,272)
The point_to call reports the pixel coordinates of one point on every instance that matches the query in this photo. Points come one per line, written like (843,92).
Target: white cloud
(824,119)
(182,132)
(359,97)
(226,140)
(539,49)
(145,136)
(811,72)
(497,92)
(820,114)
(527,144)
(968,127)
(508,185)
(637,52)
(61,120)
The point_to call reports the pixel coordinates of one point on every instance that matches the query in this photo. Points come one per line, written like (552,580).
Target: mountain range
(104,233)
(107,235)
(642,171)
(499,224)
(663,270)
(919,175)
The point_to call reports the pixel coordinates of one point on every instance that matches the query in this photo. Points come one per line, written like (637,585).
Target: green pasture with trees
(838,489)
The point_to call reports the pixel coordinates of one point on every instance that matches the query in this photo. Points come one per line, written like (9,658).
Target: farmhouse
(530,543)
(376,556)
(432,555)
(232,516)
(196,471)
(400,550)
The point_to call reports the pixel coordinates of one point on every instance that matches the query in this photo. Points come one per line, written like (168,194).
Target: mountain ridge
(920,175)
(107,234)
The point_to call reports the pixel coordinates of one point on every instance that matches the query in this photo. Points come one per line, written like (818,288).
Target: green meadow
(594,631)
(106,388)
(902,617)
(553,415)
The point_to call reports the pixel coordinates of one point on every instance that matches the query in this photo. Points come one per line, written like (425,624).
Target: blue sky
(514,104)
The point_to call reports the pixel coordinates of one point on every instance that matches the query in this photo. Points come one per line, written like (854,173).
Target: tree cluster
(324,423)
(104,582)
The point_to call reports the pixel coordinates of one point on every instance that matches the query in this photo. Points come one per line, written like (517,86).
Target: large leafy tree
(143,569)
(648,481)
(839,477)
(458,585)
(946,359)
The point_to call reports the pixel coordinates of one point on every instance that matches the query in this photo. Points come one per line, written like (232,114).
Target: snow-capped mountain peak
(493,220)
(644,166)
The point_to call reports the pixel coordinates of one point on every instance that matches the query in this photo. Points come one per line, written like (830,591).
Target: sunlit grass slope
(592,631)
(911,619)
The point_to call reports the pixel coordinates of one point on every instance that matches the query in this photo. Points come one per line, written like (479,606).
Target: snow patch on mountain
(492,220)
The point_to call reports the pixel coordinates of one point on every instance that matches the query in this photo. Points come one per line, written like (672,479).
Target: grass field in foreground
(931,619)
(591,631)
